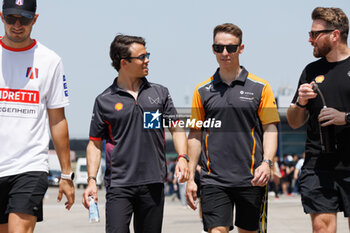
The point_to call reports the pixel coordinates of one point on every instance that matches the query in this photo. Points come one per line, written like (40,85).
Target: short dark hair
(335,18)
(120,48)
(229,28)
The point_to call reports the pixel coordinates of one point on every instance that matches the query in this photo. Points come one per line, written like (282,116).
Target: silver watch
(269,162)
(347,118)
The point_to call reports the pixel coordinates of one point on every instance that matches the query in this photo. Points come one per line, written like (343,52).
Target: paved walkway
(285,216)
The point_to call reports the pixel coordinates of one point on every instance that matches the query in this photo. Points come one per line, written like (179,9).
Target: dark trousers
(145,201)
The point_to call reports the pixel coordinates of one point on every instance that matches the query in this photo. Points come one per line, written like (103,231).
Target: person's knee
(324,223)
(240,230)
(21,223)
(221,229)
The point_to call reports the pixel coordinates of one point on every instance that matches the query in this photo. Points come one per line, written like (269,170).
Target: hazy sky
(179,37)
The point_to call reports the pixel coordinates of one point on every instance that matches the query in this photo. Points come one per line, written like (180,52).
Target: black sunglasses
(10,19)
(314,34)
(230,48)
(142,57)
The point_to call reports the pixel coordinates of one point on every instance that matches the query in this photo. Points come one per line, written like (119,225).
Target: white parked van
(81,173)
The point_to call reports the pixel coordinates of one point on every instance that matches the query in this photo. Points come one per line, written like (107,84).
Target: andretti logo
(19,96)
(32,73)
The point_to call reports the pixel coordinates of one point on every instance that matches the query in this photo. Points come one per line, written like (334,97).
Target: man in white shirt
(33,91)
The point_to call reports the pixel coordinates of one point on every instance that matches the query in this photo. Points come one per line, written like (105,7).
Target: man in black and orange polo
(128,115)
(236,150)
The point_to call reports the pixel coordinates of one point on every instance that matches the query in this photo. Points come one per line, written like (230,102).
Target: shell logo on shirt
(32,73)
(319,79)
(118,106)
(19,2)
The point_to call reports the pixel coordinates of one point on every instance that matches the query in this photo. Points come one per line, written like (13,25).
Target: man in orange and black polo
(235,150)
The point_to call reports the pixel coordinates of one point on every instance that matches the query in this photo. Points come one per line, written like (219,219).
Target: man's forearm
(93,157)
(180,141)
(60,139)
(296,116)
(194,151)
(270,141)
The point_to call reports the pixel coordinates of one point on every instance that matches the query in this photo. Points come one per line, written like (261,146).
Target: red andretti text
(19,96)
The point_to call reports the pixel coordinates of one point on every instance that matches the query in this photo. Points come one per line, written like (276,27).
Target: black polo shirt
(333,79)
(231,153)
(134,155)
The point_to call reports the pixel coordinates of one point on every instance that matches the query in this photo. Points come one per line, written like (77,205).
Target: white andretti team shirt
(32,80)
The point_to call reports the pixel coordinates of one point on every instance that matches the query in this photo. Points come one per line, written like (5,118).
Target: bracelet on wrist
(183,156)
(300,105)
(91,178)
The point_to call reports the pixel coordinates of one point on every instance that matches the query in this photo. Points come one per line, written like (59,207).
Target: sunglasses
(230,48)
(314,34)
(142,57)
(10,19)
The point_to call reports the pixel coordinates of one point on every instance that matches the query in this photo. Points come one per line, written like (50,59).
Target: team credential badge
(151,120)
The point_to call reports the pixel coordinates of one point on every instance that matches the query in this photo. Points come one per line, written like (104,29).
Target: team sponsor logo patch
(19,96)
(65,86)
(154,101)
(19,103)
(151,120)
(319,79)
(208,87)
(19,110)
(19,2)
(32,73)
(118,106)
(246,96)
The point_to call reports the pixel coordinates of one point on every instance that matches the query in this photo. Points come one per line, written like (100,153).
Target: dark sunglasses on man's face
(230,48)
(142,57)
(10,19)
(314,34)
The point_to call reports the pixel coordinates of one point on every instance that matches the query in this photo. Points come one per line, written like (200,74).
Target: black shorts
(325,191)
(218,203)
(22,193)
(145,201)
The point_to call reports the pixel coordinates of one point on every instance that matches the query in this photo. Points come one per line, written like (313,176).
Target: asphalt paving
(285,215)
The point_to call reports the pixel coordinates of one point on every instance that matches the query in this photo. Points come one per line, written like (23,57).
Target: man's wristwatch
(347,118)
(91,178)
(183,156)
(269,162)
(69,176)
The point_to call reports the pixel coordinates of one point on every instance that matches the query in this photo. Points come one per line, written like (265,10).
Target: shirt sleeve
(302,80)
(97,125)
(58,93)
(197,111)
(268,112)
(169,111)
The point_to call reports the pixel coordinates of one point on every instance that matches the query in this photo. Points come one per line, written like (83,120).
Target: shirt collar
(241,78)
(116,88)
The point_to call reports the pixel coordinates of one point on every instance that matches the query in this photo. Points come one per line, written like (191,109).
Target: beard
(323,50)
